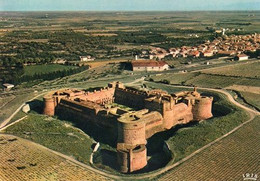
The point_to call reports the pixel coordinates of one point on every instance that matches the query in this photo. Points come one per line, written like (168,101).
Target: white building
(149,65)
(8,86)
(86,58)
(241,57)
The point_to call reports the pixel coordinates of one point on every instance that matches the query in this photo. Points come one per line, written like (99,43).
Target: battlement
(185,94)
(155,111)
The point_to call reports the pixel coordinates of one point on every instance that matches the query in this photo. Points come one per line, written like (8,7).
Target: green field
(54,134)
(169,89)
(251,70)
(45,69)
(251,98)
(5,99)
(228,159)
(178,78)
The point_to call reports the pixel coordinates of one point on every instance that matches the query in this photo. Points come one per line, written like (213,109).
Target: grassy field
(169,89)
(5,99)
(23,160)
(54,134)
(178,78)
(228,159)
(251,70)
(251,98)
(44,69)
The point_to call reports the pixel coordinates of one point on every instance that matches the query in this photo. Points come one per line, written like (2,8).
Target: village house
(228,53)
(208,53)
(224,45)
(195,54)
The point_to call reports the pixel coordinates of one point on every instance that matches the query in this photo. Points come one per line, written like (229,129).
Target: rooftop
(148,63)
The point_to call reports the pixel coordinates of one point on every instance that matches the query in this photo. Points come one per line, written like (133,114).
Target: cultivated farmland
(228,159)
(24,160)
(251,70)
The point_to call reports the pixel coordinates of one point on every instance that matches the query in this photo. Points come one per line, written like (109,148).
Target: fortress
(155,111)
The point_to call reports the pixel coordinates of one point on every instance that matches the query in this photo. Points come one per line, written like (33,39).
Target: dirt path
(242,88)
(6,121)
(1,129)
(231,99)
(135,82)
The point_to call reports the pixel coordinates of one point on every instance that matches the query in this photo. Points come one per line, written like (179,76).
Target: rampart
(156,111)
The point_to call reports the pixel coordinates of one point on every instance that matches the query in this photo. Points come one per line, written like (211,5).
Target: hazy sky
(127,5)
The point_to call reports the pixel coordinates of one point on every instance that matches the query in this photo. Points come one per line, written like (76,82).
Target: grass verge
(54,134)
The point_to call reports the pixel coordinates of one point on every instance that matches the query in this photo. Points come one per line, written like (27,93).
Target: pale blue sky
(127,5)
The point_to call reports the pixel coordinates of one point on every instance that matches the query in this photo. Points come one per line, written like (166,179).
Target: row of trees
(11,73)
(16,75)
(49,76)
(179,42)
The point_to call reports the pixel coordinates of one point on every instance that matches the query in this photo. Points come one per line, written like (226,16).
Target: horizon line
(128,10)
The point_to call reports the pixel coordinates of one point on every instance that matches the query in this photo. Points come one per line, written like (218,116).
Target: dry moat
(128,119)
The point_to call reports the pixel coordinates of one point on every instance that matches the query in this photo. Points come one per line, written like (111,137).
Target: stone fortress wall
(156,111)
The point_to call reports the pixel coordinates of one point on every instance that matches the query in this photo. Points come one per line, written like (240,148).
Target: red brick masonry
(157,111)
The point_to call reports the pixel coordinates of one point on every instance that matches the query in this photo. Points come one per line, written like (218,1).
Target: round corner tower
(133,159)
(202,109)
(131,149)
(49,105)
(131,132)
